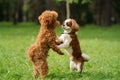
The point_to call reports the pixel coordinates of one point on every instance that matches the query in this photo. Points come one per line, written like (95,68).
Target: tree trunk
(15,14)
(98,12)
(7,18)
(106,13)
(18,12)
(49,4)
(25,10)
(67,9)
(103,12)
(1,12)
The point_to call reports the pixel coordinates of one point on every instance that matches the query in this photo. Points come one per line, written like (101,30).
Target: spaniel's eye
(69,24)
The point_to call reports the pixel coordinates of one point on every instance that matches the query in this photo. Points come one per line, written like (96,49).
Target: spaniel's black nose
(63,25)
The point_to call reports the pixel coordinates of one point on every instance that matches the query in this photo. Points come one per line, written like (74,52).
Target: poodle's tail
(31,52)
(86,57)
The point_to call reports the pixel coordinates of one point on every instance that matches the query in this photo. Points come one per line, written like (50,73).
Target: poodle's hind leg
(42,67)
(35,73)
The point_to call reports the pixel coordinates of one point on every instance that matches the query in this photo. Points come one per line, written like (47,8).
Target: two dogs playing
(47,39)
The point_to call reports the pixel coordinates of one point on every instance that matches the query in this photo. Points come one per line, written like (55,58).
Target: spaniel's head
(49,19)
(70,25)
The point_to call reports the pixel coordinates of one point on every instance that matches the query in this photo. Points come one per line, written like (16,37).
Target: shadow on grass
(68,76)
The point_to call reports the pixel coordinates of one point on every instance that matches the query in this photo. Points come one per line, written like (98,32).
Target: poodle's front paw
(58,42)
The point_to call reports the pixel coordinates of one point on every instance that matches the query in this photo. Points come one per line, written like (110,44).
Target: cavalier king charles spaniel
(70,42)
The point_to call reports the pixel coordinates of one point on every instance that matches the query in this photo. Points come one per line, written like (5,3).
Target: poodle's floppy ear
(75,26)
(39,18)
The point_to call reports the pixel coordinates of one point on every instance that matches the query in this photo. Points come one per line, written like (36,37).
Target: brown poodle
(38,52)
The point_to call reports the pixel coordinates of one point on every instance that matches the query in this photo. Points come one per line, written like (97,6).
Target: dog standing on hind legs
(45,40)
(70,42)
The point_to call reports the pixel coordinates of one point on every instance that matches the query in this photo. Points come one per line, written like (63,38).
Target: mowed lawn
(102,44)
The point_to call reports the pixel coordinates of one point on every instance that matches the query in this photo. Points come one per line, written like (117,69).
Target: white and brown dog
(71,43)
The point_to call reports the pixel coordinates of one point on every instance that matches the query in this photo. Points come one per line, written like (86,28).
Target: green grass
(100,43)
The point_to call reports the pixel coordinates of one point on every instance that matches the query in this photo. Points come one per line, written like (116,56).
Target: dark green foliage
(100,12)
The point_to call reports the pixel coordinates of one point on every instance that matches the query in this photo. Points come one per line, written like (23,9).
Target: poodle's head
(70,25)
(49,19)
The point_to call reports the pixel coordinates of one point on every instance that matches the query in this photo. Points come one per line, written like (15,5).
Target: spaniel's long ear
(75,26)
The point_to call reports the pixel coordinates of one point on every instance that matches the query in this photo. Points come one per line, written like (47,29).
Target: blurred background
(99,12)
(99,37)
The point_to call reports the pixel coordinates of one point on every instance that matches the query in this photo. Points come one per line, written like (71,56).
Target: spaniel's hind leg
(72,65)
(80,66)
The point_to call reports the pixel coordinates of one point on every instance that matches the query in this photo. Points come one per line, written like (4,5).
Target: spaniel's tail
(86,57)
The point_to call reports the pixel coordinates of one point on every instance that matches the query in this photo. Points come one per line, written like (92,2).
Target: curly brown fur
(38,52)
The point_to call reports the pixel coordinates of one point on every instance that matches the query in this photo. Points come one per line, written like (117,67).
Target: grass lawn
(100,43)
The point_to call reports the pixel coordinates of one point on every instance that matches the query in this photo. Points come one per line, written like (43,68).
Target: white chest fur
(66,39)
